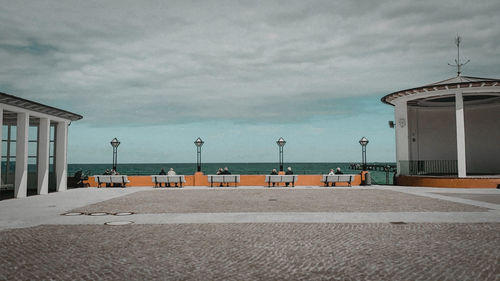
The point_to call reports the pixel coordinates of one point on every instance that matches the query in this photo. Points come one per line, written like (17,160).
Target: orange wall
(198,179)
(448,182)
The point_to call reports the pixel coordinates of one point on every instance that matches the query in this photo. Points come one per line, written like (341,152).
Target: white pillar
(460,121)
(1,143)
(401,116)
(21,182)
(61,153)
(43,156)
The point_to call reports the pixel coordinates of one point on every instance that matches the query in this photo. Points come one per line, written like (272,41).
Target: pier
(374,167)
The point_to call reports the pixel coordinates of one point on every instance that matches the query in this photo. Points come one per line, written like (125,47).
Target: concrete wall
(482,138)
(432,133)
(199,179)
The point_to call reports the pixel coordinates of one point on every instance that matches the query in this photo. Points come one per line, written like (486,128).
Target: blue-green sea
(378,177)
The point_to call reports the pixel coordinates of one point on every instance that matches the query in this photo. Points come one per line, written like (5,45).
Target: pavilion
(34,146)
(448,133)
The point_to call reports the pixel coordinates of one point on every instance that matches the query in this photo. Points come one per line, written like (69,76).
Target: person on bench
(225,172)
(115,173)
(107,173)
(288,172)
(338,172)
(171,172)
(331,173)
(274,172)
(162,173)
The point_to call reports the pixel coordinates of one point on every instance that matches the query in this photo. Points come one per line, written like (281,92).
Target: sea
(144,169)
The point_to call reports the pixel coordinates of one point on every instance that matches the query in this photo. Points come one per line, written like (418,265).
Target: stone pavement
(274,200)
(306,233)
(252,252)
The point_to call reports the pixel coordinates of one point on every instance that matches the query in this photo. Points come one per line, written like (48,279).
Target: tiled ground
(252,252)
(275,200)
(488,198)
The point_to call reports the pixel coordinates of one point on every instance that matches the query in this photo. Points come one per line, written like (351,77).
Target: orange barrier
(199,179)
(448,182)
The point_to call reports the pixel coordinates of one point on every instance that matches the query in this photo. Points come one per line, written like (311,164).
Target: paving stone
(252,252)
(488,198)
(275,200)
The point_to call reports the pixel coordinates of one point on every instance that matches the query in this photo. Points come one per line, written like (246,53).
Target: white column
(43,155)
(460,121)
(1,142)
(61,153)
(401,116)
(21,181)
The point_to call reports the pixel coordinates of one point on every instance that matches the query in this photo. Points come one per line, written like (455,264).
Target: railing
(429,167)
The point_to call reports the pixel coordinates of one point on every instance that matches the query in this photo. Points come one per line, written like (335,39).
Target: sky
(238,74)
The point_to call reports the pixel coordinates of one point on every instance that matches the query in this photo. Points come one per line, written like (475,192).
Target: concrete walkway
(253,233)
(47,209)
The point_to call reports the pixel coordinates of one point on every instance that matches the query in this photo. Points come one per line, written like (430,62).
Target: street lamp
(115,143)
(281,142)
(363,141)
(198,142)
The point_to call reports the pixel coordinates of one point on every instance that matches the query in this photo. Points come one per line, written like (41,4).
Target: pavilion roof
(38,107)
(451,83)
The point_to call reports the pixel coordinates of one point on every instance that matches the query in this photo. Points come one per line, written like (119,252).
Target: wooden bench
(159,179)
(333,179)
(115,180)
(281,179)
(227,179)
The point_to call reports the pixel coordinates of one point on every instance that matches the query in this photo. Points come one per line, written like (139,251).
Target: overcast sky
(158,74)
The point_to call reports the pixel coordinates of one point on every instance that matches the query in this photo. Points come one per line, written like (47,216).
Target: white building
(34,146)
(448,128)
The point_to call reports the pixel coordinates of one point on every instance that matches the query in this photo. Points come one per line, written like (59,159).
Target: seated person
(226,172)
(78,176)
(331,173)
(338,172)
(107,173)
(288,172)
(171,172)
(274,172)
(162,173)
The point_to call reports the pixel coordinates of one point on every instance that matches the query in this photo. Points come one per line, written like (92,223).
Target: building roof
(452,83)
(38,107)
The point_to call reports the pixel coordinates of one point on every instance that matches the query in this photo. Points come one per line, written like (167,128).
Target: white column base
(460,122)
(61,154)
(43,156)
(21,181)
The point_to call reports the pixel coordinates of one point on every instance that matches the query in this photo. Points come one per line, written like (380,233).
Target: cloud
(158,62)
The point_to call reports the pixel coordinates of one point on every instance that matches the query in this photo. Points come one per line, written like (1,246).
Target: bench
(333,179)
(116,180)
(281,179)
(227,179)
(159,179)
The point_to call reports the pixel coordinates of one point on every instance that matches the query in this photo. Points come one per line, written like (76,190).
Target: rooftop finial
(458,64)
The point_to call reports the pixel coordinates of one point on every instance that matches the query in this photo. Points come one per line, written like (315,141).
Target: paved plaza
(253,233)
(274,200)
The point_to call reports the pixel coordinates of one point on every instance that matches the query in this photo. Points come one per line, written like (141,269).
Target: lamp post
(281,142)
(199,143)
(363,141)
(115,143)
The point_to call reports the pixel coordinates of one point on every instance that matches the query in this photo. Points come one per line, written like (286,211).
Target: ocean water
(378,177)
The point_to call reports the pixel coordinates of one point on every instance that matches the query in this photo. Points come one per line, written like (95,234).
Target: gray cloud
(268,61)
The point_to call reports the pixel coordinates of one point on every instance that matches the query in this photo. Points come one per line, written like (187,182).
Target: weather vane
(458,64)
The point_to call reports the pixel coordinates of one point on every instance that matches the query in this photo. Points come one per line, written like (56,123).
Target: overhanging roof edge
(38,107)
(436,84)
